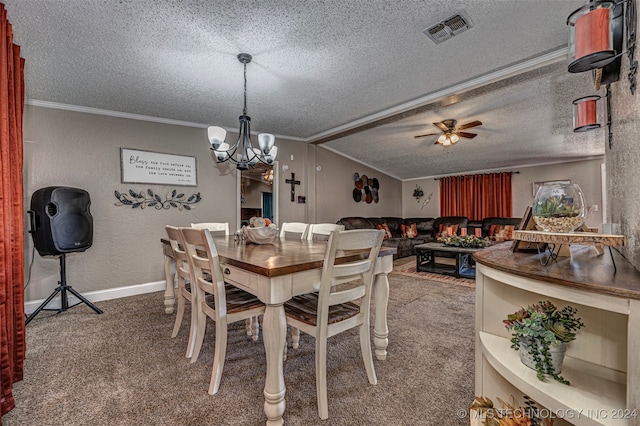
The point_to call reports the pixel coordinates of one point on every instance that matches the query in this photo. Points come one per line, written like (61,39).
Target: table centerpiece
(260,231)
(470,241)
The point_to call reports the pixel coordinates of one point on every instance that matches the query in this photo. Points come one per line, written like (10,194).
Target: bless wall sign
(139,166)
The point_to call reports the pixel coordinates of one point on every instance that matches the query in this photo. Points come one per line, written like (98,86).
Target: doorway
(258,193)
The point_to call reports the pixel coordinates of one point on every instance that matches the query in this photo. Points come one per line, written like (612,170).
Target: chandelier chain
(244,111)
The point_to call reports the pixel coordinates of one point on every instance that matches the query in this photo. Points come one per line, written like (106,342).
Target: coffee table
(465,265)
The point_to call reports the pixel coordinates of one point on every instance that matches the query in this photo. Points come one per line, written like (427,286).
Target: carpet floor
(122,367)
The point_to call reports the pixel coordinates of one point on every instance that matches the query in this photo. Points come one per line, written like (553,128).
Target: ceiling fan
(450,132)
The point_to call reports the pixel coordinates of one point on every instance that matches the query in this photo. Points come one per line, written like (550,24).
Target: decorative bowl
(261,235)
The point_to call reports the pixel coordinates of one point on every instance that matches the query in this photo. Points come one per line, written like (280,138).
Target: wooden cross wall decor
(293,183)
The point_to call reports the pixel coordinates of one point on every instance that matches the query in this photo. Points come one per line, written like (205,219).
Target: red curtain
(12,327)
(476,196)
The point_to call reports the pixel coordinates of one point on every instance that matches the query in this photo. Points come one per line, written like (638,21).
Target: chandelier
(247,155)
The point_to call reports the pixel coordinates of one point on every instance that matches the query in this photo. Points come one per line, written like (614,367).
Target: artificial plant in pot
(541,333)
(559,207)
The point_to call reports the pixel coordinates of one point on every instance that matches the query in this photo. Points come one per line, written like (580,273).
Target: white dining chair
(216,228)
(335,308)
(321,231)
(185,291)
(294,230)
(228,304)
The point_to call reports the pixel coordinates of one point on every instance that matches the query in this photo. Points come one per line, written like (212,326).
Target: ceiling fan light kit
(451,133)
(248,156)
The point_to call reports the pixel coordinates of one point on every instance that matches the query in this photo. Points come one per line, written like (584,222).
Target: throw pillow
(442,231)
(385,228)
(412,231)
(501,232)
(403,230)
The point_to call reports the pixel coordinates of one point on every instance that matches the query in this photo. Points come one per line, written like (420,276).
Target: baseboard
(99,295)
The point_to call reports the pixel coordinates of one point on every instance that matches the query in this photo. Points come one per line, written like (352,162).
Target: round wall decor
(366,189)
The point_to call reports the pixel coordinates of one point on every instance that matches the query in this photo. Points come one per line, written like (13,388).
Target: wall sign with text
(138,166)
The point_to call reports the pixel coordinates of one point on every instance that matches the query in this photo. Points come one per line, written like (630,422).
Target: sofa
(427,228)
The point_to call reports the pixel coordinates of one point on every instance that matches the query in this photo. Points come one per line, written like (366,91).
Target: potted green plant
(559,207)
(541,333)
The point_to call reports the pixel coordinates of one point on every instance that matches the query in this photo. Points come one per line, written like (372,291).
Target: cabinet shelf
(595,392)
(601,363)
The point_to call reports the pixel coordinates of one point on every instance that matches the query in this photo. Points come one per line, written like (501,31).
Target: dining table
(275,273)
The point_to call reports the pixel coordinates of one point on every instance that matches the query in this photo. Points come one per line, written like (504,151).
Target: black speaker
(60,220)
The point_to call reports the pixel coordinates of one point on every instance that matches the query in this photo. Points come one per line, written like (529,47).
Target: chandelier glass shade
(242,153)
(448,139)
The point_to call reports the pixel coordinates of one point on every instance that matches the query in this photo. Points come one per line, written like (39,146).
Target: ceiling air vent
(448,28)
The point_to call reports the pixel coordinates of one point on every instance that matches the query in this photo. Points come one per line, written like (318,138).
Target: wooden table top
(282,257)
(581,238)
(584,269)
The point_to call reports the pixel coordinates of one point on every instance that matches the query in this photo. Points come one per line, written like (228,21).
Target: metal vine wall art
(149,199)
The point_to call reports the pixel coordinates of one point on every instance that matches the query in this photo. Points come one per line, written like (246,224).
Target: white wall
(67,148)
(334,185)
(64,148)
(584,173)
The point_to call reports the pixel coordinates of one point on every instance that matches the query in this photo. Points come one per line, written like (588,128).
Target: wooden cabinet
(602,364)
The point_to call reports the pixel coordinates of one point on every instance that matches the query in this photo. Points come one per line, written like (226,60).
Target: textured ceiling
(319,68)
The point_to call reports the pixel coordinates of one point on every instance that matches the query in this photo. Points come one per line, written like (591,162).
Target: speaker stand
(62,289)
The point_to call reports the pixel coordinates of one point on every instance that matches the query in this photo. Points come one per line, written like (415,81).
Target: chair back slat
(352,268)
(321,231)
(344,296)
(294,230)
(357,273)
(217,229)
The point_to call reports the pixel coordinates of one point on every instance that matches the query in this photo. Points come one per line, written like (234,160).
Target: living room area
(357,121)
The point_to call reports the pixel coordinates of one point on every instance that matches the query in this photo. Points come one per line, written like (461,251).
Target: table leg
(169,291)
(274,329)
(380,330)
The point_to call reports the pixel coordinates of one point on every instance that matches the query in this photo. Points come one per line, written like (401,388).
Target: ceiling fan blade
(428,134)
(469,125)
(466,135)
(441,126)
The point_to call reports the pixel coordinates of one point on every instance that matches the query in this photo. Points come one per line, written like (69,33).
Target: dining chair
(321,231)
(294,230)
(342,303)
(222,229)
(227,305)
(185,291)
(216,228)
